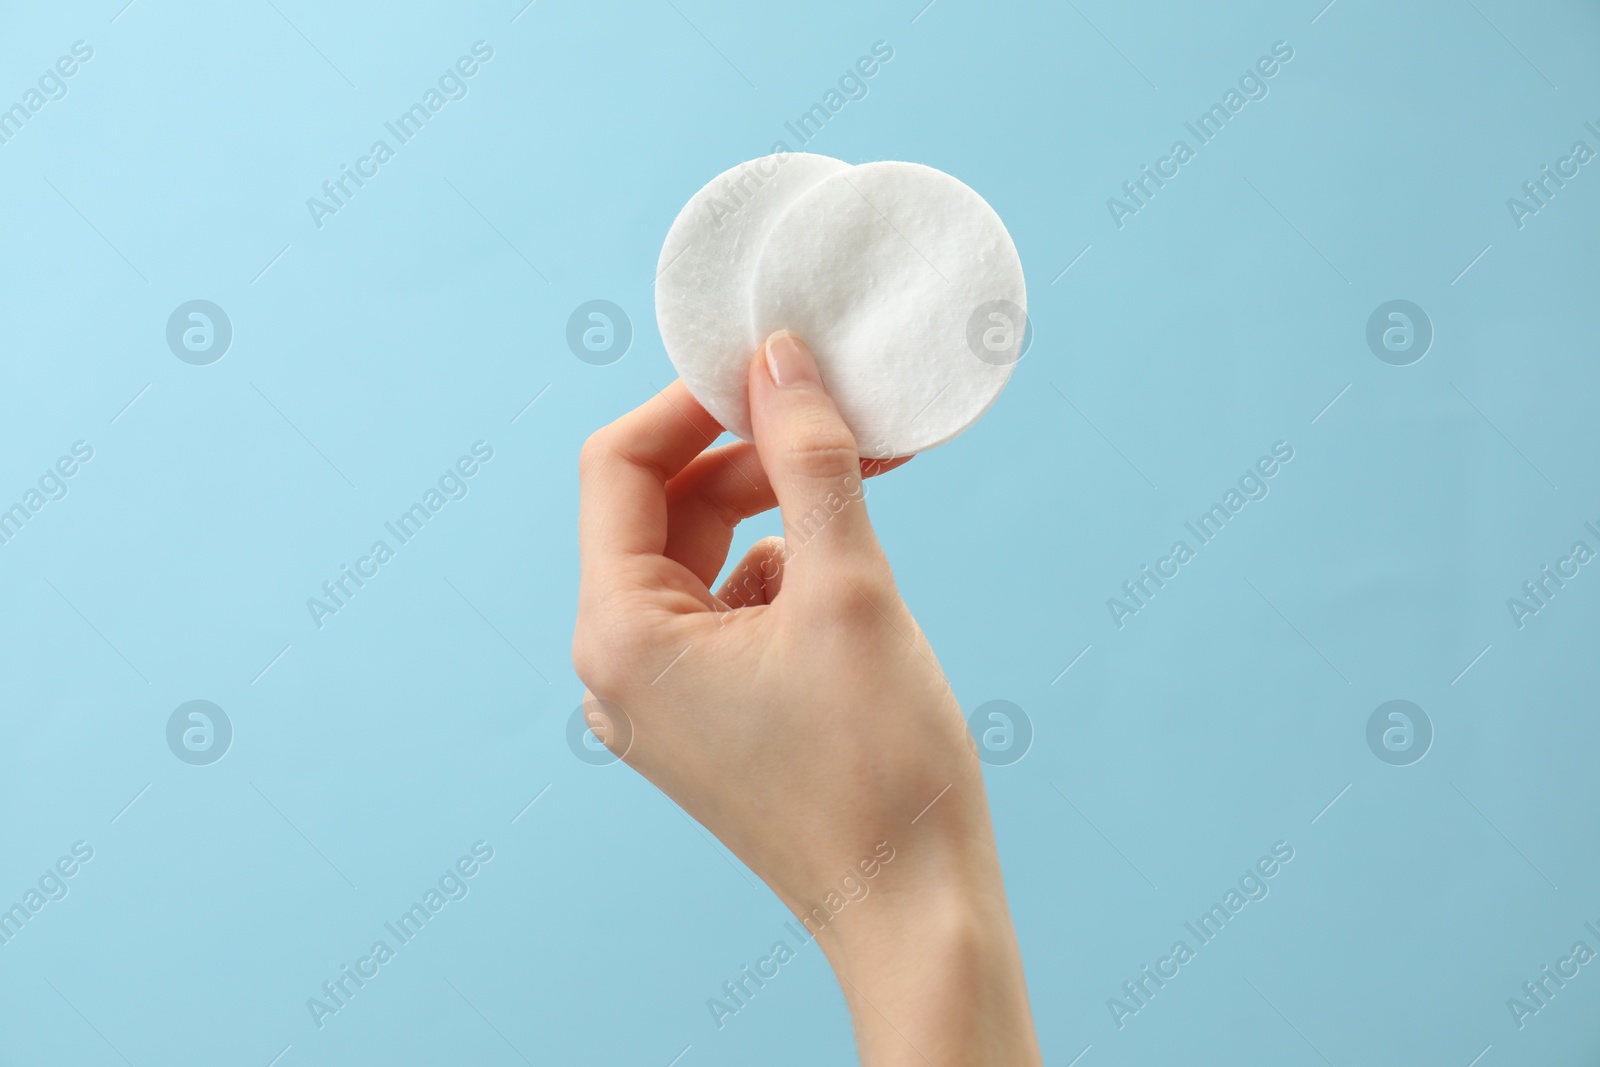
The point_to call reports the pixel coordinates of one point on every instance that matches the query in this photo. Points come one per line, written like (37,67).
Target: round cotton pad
(906,286)
(703,276)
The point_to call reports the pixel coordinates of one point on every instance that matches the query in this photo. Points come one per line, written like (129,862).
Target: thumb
(811,458)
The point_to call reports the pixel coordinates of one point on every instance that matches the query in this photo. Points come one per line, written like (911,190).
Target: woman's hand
(799,713)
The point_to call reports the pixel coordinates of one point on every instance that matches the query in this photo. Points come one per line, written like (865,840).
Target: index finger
(623,473)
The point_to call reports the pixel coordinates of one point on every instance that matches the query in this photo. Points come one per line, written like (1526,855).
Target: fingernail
(789,360)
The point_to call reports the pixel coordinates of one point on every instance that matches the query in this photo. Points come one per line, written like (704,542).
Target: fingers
(757,577)
(631,598)
(623,472)
(650,488)
(720,489)
(812,461)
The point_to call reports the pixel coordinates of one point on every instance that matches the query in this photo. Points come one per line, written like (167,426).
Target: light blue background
(1225,316)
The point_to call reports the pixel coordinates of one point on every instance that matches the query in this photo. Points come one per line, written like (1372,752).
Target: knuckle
(822,448)
(770,547)
(593,452)
(767,557)
(589,662)
(727,512)
(861,593)
(583,661)
(606,652)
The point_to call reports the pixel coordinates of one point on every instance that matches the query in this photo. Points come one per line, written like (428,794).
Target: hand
(799,713)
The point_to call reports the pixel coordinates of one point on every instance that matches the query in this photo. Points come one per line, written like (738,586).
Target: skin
(799,713)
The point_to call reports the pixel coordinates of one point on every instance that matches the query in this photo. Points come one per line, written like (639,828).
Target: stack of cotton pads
(902,280)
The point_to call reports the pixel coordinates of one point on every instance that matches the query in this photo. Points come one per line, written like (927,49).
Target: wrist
(934,975)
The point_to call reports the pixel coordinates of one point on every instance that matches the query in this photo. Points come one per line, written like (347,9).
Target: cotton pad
(910,293)
(704,273)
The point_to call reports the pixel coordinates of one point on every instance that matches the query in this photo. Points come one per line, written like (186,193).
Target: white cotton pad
(910,293)
(703,276)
